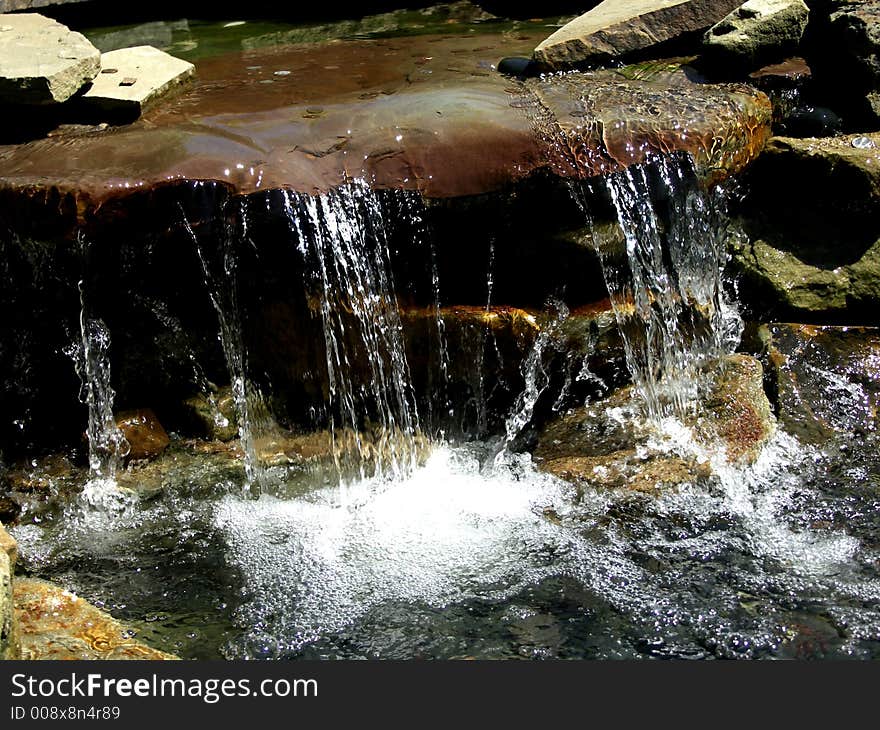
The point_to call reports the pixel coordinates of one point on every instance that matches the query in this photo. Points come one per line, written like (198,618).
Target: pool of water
(470,557)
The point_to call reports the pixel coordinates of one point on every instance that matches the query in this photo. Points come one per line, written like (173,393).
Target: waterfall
(223,290)
(107,445)
(663,260)
(342,238)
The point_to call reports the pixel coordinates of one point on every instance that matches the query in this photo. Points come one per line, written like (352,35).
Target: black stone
(811,121)
(515,66)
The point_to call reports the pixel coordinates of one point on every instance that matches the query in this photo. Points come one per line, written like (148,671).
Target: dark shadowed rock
(618,28)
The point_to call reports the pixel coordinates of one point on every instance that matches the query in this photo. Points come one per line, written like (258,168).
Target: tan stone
(56,624)
(42,61)
(616,28)
(133,78)
(144,433)
(9,645)
(9,546)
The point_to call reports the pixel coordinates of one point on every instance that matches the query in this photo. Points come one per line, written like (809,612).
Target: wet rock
(9,509)
(212,415)
(515,66)
(757,32)
(56,624)
(131,79)
(9,546)
(43,61)
(449,135)
(9,644)
(737,411)
(810,121)
(813,248)
(825,379)
(613,29)
(608,443)
(145,435)
(601,122)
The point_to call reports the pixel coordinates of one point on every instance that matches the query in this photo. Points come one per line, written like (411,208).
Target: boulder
(55,624)
(41,61)
(736,410)
(133,78)
(145,435)
(757,32)
(608,444)
(813,219)
(619,28)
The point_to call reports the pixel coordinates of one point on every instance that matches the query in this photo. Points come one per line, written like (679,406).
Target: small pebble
(282,73)
(863,143)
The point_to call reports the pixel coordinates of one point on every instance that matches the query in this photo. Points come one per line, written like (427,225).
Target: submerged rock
(145,435)
(614,29)
(42,61)
(757,32)
(56,624)
(131,79)
(826,380)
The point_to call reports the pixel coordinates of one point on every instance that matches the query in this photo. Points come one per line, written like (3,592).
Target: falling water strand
(224,296)
(536,380)
(107,444)
(373,420)
(663,264)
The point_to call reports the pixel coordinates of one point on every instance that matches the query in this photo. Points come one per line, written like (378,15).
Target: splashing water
(107,445)
(663,265)
(342,238)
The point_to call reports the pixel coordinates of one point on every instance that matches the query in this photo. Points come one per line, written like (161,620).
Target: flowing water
(665,278)
(371,401)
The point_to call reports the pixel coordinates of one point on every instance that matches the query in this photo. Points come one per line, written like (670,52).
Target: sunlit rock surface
(426,113)
(132,79)
(617,28)
(9,645)
(757,32)
(42,61)
(56,624)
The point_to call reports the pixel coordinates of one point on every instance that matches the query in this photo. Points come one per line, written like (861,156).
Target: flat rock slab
(42,61)
(616,28)
(133,78)
(56,624)
(427,113)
